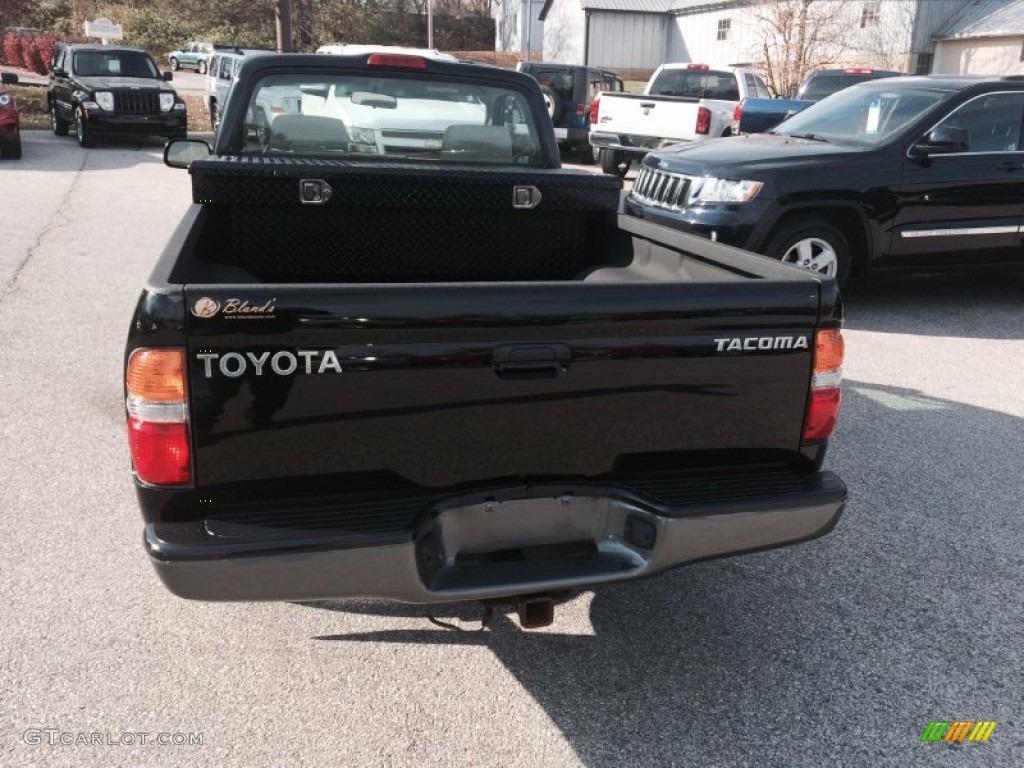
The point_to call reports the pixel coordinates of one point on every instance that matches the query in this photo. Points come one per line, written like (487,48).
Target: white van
(347,49)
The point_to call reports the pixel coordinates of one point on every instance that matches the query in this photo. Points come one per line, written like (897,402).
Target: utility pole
(430,24)
(283,22)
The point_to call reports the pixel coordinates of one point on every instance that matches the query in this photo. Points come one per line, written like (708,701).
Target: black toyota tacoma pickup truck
(395,351)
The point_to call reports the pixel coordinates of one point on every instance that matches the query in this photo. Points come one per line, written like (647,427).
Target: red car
(10,122)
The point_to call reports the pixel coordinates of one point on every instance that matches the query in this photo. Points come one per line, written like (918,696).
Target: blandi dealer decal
(282,363)
(206,308)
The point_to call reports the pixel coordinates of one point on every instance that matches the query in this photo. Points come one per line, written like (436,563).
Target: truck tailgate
(640,115)
(389,385)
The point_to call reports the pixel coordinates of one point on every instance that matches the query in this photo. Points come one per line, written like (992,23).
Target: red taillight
(595,109)
(825,397)
(822,415)
(697,66)
(581,110)
(160,451)
(703,121)
(396,60)
(737,113)
(158,434)
(858,71)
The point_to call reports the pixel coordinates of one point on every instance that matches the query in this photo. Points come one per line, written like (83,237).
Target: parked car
(760,115)
(907,173)
(224,66)
(569,92)
(10,120)
(103,89)
(192,55)
(681,103)
(824,82)
(585,393)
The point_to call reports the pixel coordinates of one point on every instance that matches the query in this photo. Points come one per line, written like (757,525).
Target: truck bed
(528,356)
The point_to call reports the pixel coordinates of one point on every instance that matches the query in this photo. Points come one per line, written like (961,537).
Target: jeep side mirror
(168,76)
(59,72)
(944,140)
(8,78)
(180,153)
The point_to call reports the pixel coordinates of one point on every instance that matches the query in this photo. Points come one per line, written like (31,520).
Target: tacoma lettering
(760,343)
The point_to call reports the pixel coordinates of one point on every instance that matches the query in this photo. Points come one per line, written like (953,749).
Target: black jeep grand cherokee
(919,174)
(103,89)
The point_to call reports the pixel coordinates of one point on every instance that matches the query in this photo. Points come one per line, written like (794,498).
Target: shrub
(12,50)
(42,50)
(25,51)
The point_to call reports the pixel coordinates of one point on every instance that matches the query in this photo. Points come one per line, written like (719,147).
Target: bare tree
(795,37)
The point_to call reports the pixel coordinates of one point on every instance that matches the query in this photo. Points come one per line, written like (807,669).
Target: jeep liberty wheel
(586,154)
(174,64)
(201,67)
(552,102)
(60,127)
(615,162)
(82,131)
(812,244)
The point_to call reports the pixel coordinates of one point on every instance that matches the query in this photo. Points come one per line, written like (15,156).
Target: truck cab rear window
(391,117)
(696,84)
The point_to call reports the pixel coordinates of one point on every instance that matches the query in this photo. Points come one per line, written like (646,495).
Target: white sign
(104,28)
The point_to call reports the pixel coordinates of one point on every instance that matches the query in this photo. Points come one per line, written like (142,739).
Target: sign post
(104,29)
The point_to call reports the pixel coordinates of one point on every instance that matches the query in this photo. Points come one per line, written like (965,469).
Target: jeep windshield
(863,115)
(391,117)
(114,64)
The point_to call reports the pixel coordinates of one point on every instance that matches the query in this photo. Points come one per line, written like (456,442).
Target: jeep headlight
(104,100)
(725,191)
(166,102)
(5,99)
(362,140)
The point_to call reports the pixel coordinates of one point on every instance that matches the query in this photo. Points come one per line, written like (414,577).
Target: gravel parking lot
(835,652)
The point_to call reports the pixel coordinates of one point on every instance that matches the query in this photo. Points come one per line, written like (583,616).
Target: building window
(724,25)
(870,14)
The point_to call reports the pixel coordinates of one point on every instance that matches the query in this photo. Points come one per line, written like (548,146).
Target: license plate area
(521,546)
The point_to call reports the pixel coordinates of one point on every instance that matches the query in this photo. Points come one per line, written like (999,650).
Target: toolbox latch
(525,197)
(314,191)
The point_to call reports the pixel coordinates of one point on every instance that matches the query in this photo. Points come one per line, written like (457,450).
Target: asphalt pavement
(837,652)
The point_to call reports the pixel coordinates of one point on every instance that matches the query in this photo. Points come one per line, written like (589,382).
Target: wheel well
(847,221)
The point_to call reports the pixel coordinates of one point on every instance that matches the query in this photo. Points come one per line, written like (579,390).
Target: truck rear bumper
(633,143)
(488,549)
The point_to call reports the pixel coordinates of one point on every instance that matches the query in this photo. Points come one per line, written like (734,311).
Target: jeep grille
(137,102)
(661,189)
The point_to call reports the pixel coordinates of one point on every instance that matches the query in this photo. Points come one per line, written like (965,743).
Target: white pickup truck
(681,103)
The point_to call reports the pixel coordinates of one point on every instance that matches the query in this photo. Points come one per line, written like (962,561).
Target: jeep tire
(58,124)
(82,130)
(615,162)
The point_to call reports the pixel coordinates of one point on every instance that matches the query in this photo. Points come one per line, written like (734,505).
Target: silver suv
(224,66)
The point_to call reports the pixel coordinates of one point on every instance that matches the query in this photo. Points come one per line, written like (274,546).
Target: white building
(641,34)
(514,30)
(985,38)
